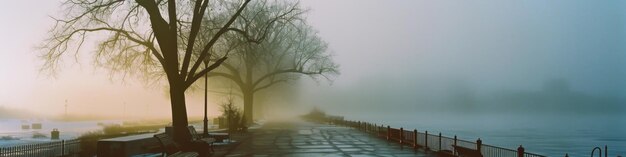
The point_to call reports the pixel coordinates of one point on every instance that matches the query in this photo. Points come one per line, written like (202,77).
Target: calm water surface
(68,130)
(551,135)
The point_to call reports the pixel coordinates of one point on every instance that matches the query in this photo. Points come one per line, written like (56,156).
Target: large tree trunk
(248,100)
(179,113)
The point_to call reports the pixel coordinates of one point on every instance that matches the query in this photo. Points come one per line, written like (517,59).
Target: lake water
(68,130)
(541,134)
(551,135)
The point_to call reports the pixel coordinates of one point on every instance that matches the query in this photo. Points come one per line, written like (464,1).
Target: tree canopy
(152,38)
(290,49)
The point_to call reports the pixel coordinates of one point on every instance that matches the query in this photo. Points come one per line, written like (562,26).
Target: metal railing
(431,141)
(50,149)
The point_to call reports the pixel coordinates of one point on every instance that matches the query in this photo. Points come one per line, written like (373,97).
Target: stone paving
(304,139)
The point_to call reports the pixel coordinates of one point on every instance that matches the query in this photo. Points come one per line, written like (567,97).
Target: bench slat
(171,148)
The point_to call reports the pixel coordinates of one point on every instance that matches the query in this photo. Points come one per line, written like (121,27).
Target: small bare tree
(232,114)
(152,38)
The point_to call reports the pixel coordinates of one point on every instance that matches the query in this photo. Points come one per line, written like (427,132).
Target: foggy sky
(382,47)
(510,44)
(416,51)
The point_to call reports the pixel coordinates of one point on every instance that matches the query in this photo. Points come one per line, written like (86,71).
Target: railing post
(520,151)
(414,138)
(364,126)
(606,151)
(454,145)
(376,130)
(381,128)
(479,144)
(388,132)
(63,147)
(439,140)
(426,140)
(401,135)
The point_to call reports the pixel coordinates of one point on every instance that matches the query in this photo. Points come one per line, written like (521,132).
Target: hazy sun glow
(485,46)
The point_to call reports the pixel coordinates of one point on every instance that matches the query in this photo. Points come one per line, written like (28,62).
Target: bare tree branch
(204,71)
(198,14)
(144,36)
(210,44)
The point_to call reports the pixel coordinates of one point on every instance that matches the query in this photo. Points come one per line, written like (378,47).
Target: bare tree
(152,38)
(291,49)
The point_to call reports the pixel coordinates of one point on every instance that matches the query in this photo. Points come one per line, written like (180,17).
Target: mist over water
(548,75)
(552,135)
(551,119)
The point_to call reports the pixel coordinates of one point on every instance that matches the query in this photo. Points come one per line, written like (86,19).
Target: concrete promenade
(305,139)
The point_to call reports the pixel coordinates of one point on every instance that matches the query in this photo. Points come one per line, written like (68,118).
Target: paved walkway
(304,139)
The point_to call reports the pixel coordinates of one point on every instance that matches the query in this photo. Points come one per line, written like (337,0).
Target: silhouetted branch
(271,83)
(210,44)
(205,71)
(226,75)
(198,14)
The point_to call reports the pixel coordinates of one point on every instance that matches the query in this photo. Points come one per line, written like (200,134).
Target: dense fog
(550,57)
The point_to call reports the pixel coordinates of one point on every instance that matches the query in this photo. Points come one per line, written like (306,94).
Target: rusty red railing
(434,142)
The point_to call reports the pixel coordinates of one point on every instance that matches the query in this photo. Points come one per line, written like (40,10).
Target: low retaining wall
(128,145)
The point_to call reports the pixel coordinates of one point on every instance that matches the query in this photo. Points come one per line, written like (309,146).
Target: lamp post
(206,119)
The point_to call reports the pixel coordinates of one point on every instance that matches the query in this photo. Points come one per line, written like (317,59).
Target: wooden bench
(218,136)
(467,152)
(170,148)
(196,137)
